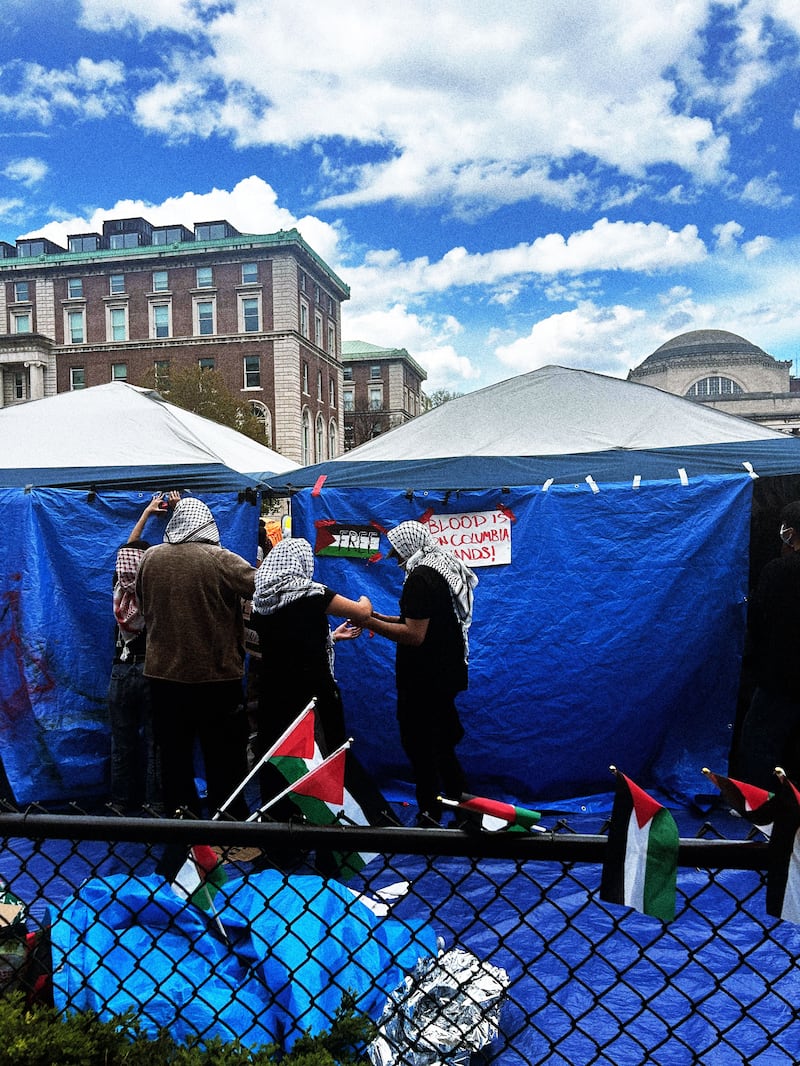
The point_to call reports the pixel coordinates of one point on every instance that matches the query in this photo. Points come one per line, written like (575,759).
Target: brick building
(263,310)
(382,389)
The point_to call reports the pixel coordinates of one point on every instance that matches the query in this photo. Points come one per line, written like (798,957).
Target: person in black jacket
(432,661)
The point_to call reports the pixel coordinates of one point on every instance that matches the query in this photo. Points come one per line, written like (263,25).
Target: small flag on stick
(195,876)
(783,865)
(494,815)
(641,865)
(755,804)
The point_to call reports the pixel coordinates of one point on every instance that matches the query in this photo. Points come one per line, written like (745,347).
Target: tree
(205,393)
(440,396)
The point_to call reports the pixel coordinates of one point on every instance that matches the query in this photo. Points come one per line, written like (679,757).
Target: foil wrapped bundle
(442,1012)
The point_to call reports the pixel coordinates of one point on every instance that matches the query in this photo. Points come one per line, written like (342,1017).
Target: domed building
(725,371)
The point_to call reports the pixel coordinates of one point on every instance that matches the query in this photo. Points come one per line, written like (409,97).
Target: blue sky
(502,186)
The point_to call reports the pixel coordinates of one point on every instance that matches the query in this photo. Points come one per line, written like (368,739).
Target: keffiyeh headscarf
(127,614)
(285,575)
(191,521)
(413,542)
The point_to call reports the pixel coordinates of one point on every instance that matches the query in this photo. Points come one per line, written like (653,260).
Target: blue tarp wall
(57,557)
(614,635)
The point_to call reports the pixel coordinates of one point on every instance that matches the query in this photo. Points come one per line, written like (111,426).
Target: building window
(348,401)
(305,438)
(19,386)
(375,372)
(375,397)
(316,294)
(205,315)
(76,327)
(124,240)
(347,373)
(204,277)
(206,363)
(161,373)
(249,273)
(332,392)
(714,386)
(117,323)
(77,377)
(160,323)
(261,411)
(249,314)
(303,281)
(22,291)
(119,371)
(21,322)
(333,441)
(320,438)
(305,378)
(75,288)
(331,339)
(318,330)
(160,280)
(252,372)
(116,284)
(319,385)
(331,306)
(303,319)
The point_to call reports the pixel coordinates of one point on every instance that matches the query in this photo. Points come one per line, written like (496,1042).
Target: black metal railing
(532,966)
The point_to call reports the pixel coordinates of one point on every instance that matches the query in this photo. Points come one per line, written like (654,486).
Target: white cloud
(28,171)
(458,102)
(765,192)
(588,337)
(89,90)
(427,338)
(728,234)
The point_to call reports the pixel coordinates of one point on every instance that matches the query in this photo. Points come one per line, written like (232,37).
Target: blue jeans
(135,761)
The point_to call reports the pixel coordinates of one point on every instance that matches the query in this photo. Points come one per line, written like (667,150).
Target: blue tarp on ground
(130,943)
(614,635)
(57,557)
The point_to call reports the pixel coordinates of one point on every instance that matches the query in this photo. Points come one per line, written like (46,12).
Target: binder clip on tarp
(442,1012)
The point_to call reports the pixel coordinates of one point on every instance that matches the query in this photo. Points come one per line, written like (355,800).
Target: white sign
(480,538)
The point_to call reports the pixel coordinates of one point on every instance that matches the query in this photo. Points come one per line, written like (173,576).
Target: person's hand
(156,506)
(173,498)
(346,631)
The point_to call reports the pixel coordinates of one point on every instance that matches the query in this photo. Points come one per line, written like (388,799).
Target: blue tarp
(613,636)
(296,946)
(57,558)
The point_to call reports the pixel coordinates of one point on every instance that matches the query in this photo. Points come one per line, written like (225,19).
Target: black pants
(430,729)
(213,715)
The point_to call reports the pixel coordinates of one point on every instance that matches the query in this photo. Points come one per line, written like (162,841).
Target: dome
(702,344)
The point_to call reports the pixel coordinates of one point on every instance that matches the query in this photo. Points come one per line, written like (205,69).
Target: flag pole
(265,758)
(293,785)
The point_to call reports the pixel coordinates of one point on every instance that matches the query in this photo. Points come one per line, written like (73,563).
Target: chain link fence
(459,945)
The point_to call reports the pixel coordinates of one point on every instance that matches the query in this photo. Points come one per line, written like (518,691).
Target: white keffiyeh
(191,521)
(286,575)
(128,616)
(414,544)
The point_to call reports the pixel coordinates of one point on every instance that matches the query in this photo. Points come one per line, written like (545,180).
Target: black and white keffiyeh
(128,616)
(285,575)
(413,542)
(191,521)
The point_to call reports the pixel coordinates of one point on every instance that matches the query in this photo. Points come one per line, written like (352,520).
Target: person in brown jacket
(190,590)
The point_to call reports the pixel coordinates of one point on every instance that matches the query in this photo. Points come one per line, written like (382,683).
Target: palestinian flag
(196,876)
(317,788)
(640,869)
(495,815)
(783,867)
(753,803)
(298,741)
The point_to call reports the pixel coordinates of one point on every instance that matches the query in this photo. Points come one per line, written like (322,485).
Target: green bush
(40,1036)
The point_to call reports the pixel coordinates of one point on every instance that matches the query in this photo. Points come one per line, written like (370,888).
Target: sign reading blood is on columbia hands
(478,538)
